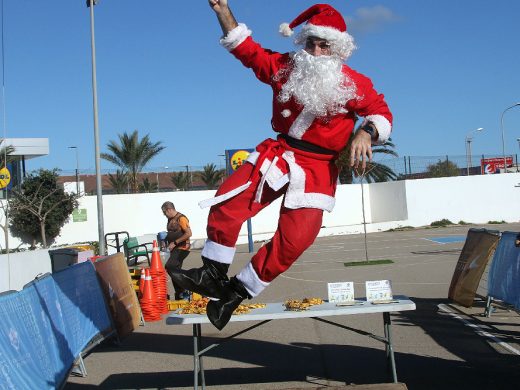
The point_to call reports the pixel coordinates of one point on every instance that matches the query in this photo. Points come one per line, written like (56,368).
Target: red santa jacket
(312,178)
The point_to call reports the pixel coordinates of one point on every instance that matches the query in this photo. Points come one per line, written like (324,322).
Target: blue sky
(445,67)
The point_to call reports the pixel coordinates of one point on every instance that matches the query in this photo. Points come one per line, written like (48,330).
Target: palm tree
(119,182)
(5,154)
(374,172)
(148,186)
(211,176)
(180,180)
(132,154)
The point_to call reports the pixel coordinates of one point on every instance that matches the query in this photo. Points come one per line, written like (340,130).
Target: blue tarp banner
(44,327)
(504,274)
(83,307)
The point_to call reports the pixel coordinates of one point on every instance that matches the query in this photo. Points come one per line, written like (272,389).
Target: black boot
(219,312)
(207,280)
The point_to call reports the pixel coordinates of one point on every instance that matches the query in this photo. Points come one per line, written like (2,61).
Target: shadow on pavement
(471,364)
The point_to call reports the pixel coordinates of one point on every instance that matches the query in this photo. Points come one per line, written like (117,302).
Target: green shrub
(443,222)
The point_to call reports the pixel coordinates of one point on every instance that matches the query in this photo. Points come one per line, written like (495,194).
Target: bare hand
(217,5)
(361,149)
(171,246)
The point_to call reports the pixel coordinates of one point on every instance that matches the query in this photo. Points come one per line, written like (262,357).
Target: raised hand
(361,149)
(217,5)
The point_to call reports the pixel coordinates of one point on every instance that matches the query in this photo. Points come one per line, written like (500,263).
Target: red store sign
(493,165)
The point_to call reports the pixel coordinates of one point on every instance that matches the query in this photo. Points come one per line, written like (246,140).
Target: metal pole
(187,178)
(77,173)
(467,159)
(99,188)
(250,236)
(518,140)
(469,153)
(503,136)
(77,169)
(468,147)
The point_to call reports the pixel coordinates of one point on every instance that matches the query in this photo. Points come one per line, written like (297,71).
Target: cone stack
(141,283)
(148,300)
(159,279)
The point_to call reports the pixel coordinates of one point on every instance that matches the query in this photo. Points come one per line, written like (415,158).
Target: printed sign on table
(341,291)
(378,290)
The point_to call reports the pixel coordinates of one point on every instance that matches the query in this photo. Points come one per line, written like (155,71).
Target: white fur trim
(286,113)
(235,37)
(274,175)
(276,178)
(251,281)
(312,200)
(217,252)
(301,124)
(221,198)
(266,167)
(296,197)
(253,156)
(384,128)
(341,43)
(285,30)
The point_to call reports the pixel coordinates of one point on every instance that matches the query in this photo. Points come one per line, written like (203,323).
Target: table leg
(195,358)
(388,345)
(201,365)
(198,368)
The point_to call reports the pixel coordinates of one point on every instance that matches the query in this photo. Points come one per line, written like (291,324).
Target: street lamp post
(517,168)
(187,177)
(99,188)
(503,136)
(77,169)
(468,147)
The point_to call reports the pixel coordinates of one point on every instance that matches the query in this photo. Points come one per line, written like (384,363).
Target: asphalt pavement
(440,345)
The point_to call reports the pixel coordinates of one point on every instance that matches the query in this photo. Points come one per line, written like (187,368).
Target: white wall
(388,201)
(474,199)
(18,269)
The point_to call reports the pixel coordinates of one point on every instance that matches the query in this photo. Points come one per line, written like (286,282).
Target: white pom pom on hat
(285,30)
(319,15)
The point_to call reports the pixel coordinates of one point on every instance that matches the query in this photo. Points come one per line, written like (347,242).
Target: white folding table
(277,311)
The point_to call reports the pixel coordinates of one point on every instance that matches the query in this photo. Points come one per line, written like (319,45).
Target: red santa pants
(297,228)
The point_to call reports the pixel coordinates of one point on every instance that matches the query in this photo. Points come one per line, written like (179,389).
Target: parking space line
(478,330)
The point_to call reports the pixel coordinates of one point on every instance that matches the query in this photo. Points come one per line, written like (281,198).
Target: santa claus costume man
(316,102)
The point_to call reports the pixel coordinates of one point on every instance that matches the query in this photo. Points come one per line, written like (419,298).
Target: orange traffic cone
(148,300)
(160,280)
(141,282)
(156,265)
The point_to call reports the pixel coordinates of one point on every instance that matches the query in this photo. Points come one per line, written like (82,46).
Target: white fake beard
(318,84)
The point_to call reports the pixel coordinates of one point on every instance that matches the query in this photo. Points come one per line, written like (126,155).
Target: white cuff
(218,252)
(251,281)
(383,126)
(235,37)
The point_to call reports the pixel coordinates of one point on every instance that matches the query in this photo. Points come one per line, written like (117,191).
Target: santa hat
(324,22)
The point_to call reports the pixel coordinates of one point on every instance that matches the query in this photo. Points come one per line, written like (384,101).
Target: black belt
(306,146)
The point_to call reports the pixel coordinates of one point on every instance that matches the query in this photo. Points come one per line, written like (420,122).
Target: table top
(275,311)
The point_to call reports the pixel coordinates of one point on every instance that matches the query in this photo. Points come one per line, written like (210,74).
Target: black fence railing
(405,168)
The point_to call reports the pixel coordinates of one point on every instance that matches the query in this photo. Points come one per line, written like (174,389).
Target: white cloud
(369,19)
